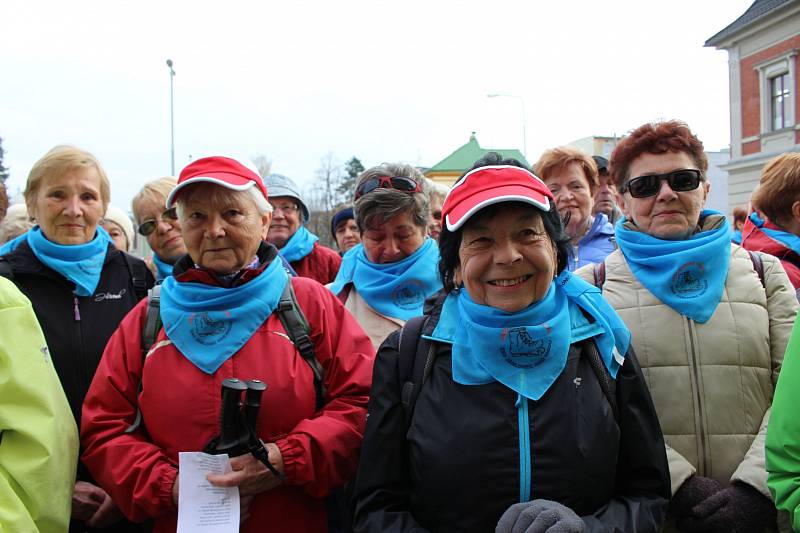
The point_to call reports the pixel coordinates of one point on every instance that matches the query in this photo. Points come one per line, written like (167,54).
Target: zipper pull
(77,311)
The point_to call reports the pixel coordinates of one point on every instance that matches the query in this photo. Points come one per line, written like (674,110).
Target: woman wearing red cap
(517,406)
(217,310)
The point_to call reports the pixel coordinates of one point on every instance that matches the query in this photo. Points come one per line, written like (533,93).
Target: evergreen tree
(347,186)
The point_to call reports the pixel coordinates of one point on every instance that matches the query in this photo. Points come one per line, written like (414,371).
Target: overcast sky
(384,81)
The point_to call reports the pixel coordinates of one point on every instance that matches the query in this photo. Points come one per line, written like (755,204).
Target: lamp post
(522,104)
(171,119)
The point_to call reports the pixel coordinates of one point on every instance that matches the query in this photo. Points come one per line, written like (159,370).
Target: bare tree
(263,164)
(323,196)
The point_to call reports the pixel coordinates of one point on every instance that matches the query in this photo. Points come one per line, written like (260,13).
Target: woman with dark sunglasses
(710,324)
(385,280)
(159,225)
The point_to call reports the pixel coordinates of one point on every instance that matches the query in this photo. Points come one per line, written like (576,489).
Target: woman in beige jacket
(709,323)
(385,280)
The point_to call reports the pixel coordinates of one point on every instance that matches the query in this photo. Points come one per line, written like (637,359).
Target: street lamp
(522,104)
(171,119)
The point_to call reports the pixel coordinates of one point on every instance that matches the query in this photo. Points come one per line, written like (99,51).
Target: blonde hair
(557,159)
(153,191)
(779,187)
(16,222)
(57,162)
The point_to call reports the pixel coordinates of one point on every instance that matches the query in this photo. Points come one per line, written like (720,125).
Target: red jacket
(755,240)
(322,264)
(180,405)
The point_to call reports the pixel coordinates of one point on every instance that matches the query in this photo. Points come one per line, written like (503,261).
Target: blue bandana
(688,275)
(790,240)
(397,290)
(164,270)
(209,324)
(299,246)
(79,263)
(527,350)
(12,245)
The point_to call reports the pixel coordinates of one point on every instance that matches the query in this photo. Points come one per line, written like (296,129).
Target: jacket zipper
(700,428)
(524,431)
(76,310)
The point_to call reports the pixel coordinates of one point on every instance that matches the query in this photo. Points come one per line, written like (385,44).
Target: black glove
(693,491)
(539,516)
(738,508)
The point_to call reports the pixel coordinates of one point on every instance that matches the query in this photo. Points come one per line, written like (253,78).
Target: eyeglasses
(286,208)
(149,226)
(397,183)
(687,179)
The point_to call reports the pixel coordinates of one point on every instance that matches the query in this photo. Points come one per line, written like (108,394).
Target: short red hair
(557,159)
(655,138)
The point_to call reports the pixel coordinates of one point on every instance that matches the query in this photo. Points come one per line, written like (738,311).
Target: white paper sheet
(202,507)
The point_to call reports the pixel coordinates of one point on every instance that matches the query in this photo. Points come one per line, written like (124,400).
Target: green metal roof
(464,157)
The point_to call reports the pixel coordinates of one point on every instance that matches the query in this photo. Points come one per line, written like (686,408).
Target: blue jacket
(594,246)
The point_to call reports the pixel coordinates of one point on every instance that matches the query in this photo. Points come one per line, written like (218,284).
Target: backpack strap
(607,383)
(416,355)
(599,270)
(152,325)
(758,265)
(5,269)
(137,271)
(296,326)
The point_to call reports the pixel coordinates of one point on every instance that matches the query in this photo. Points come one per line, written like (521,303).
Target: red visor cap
(219,170)
(485,186)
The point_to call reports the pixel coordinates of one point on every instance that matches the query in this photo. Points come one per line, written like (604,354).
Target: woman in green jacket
(38,436)
(783,434)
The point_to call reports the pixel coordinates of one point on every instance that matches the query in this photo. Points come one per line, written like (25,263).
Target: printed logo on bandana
(688,281)
(522,350)
(409,296)
(208,331)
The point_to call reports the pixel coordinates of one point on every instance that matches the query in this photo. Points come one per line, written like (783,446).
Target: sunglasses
(679,181)
(149,226)
(397,183)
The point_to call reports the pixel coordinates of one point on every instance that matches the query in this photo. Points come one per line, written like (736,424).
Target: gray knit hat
(279,185)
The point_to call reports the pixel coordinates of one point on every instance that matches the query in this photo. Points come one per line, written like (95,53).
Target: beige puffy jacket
(711,383)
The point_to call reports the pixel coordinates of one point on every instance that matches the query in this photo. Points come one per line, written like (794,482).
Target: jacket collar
(186,270)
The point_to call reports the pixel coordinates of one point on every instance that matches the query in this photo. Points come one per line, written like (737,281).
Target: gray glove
(539,516)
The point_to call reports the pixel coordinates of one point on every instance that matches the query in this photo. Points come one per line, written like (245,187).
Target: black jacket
(77,328)
(457,467)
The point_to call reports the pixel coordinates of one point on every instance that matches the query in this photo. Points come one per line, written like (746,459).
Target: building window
(778,102)
(779,105)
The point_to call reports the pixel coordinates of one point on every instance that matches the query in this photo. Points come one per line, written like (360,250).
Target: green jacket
(39,439)
(783,434)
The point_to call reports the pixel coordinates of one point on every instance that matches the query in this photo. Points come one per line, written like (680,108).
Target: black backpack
(290,315)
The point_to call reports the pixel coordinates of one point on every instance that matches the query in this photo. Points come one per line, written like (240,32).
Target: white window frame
(777,66)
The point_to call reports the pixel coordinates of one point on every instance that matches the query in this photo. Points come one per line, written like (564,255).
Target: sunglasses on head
(687,179)
(397,183)
(149,226)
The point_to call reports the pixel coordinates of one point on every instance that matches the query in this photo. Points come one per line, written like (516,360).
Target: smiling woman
(511,337)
